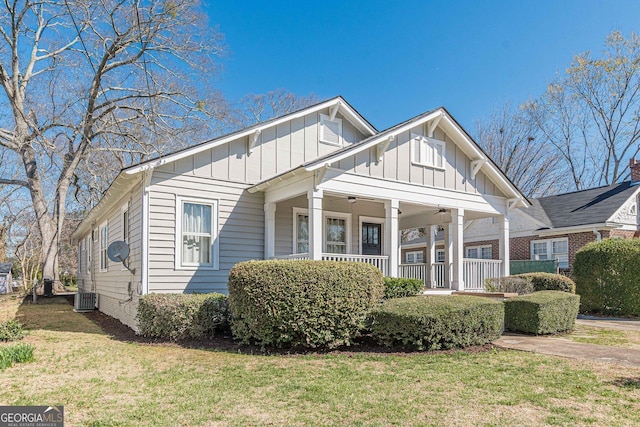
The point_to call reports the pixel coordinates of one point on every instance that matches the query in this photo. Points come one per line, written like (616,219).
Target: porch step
(438,291)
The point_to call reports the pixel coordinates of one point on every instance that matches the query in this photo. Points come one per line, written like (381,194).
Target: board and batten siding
(240,230)
(117,289)
(277,150)
(397,165)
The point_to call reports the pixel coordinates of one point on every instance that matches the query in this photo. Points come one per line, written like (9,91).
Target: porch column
(315,224)
(391,241)
(269,230)
(457,225)
(448,254)
(430,255)
(504,245)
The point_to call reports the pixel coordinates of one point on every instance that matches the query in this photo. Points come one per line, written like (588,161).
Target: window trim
(549,243)
(89,253)
(325,214)
(444,256)
(406,257)
(324,118)
(215,244)
(430,142)
(103,232)
(81,254)
(479,249)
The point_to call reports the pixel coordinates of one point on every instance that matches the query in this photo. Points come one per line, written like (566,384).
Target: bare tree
(591,115)
(85,78)
(512,141)
(254,108)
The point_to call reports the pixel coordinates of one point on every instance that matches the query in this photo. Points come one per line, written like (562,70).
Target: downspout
(598,235)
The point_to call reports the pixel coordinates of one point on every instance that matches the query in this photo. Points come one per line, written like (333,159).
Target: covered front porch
(307,222)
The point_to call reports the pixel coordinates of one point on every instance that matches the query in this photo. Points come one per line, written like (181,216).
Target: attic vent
(85,301)
(330,130)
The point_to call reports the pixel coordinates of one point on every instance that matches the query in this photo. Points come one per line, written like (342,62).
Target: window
(336,232)
(125,223)
(330,130)
(427,151)
(104,243)
(551,249)
(335,235)
(415,257)
(197,222)
(439,255)
(478,252)
(302,227)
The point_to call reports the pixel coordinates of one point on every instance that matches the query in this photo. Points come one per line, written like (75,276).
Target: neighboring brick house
(554,227)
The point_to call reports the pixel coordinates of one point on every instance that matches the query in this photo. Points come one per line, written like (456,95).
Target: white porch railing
(475,271)
(380,261)
(421,272)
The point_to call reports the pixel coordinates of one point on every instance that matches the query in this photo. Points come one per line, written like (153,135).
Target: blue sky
(395,59)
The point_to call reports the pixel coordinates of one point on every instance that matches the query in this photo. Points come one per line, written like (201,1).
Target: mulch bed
(365,345)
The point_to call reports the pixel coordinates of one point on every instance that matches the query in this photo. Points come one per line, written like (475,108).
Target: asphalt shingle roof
(592,206)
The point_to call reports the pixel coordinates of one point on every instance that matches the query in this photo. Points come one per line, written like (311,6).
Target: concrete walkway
(564,347)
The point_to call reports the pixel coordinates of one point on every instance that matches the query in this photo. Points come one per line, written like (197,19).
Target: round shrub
(549,282)
(607,277)
(437,322)
(302,303)
(177,317)
(400,287)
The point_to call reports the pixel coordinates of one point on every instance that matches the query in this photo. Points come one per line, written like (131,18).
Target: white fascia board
(114,196)
(344,109)
(413,245)
(575,229)
(380,138)
(288,190)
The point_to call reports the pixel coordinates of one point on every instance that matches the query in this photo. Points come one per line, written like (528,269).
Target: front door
(371,239)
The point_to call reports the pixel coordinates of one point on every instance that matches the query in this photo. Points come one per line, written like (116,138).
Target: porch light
(351,199)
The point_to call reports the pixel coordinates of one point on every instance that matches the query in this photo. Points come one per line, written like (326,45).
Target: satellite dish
(118,251)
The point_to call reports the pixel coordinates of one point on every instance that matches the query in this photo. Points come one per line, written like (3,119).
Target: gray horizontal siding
(240,230)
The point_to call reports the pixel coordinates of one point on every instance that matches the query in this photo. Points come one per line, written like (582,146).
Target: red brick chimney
(634,165)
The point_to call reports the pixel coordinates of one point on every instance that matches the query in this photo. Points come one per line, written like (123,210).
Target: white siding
(240,231)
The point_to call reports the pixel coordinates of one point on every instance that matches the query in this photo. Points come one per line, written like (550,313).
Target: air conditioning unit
(85,301)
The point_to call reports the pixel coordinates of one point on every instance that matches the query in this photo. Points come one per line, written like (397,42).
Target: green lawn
(102,381)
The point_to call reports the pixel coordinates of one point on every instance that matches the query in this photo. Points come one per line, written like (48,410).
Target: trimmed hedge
(607,276)
(399,287)
(510,284)
(437,322)
(11,330)
(549,282)
(302,303)
(544,312)
(177,317)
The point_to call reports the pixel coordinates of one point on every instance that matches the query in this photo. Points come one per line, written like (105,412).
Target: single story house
(553,227)
(5,278)
(320,183)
